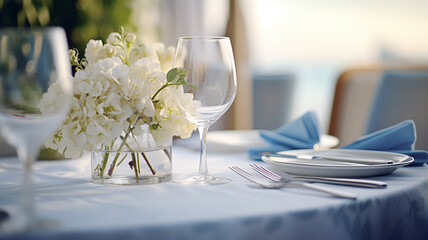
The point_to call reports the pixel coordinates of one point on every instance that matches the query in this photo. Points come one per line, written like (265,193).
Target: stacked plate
(338,162)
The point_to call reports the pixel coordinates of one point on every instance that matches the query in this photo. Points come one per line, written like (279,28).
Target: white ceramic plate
(242,140)
(304,167)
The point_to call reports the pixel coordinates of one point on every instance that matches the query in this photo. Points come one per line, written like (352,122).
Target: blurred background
(289,53)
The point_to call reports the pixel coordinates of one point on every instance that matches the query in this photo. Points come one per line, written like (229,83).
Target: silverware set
(275,181)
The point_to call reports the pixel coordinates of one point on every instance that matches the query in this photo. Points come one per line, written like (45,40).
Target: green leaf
(181,81)
(182,72)
(170,76)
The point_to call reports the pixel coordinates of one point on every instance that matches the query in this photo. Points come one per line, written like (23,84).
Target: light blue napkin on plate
(301,133)
(398,138)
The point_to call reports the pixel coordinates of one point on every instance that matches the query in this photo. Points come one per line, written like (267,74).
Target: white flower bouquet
(122,91)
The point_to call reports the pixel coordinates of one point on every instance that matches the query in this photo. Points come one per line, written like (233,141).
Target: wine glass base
(202,180)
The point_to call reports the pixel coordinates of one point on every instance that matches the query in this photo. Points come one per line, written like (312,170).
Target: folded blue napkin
(398,138)
(301,133)
(304,132)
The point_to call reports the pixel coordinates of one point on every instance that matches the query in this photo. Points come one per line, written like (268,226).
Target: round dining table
(80,209)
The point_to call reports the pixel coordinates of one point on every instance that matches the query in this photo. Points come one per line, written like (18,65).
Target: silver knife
(343,181)
(368,161)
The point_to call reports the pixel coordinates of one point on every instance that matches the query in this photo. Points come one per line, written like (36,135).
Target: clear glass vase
(136,163)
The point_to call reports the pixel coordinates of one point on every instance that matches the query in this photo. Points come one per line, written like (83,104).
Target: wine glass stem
(203,168)
(27,194)
(27,157)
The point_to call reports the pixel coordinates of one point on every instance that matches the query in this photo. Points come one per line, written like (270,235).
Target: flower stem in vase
(103,167)
(148,163)
(113,164)
(105,160)
(138,163)
(121,160)
(134,161)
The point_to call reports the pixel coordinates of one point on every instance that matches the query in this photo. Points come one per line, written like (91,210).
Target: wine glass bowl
(211,79)
(32,63)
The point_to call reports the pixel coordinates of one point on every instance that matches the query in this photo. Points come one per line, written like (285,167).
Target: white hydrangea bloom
(143,51)
(117,93)
(52,100)
(114,38)
(165,55)
(130,38)
(92,49)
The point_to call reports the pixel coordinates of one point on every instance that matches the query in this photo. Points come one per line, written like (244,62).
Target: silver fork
(339,181)
(269,184)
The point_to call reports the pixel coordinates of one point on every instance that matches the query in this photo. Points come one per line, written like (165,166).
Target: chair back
(400,96)
(355,94)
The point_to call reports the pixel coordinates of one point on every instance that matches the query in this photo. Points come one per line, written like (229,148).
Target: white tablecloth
(236,210)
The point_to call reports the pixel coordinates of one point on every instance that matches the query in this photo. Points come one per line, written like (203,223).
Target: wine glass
(31,61)
(211,78)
